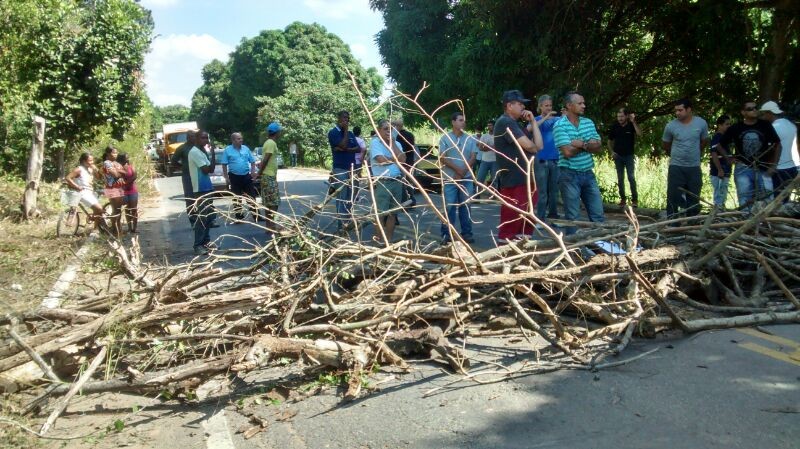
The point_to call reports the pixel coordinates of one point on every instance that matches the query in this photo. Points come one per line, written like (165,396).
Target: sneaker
(446,240)
(210,246)
(468,239)
(622,203)
(634,204)
(200,251)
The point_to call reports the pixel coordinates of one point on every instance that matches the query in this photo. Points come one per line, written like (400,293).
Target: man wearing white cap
(789,160)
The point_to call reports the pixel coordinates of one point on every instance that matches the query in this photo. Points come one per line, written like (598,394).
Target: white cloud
(173,66)
(360,51)
(152,4)
(339,9)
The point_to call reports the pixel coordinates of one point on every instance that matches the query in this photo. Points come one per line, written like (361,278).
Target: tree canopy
(76,63)
(173,113)
(285,70)
(642,54)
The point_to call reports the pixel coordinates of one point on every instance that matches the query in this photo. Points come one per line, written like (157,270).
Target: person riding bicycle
(80,179)
(131,193)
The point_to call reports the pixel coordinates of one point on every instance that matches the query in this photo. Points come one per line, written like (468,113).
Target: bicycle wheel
(69,222)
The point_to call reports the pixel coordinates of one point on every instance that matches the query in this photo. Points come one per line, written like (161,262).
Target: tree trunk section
(34,175)
(776,57)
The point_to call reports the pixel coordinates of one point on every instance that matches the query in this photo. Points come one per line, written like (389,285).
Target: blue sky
(190,33)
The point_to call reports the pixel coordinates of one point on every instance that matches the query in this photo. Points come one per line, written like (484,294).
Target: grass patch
(32,255)
(651,181)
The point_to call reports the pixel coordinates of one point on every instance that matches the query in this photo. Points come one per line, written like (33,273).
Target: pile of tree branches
(335,304)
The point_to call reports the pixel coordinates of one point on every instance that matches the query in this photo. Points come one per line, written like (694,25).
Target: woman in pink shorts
(114,183)
(131,193)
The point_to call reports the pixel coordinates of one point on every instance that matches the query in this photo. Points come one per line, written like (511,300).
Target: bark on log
(34,174)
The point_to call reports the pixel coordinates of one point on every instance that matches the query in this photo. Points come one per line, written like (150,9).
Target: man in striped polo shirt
(577,139)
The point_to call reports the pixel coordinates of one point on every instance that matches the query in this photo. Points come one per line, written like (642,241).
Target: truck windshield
(176,138)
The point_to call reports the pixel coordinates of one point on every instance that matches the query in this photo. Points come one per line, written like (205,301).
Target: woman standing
(113,183)
(131,193)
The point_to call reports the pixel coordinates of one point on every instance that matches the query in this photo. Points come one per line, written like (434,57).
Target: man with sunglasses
(757,150)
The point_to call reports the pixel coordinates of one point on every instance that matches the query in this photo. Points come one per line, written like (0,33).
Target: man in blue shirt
(200,167)
(545,168)
(238,164)
(343,148)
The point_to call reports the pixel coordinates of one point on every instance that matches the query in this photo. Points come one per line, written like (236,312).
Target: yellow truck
(174,135)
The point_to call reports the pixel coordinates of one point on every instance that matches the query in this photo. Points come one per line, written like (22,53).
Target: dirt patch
(33,257)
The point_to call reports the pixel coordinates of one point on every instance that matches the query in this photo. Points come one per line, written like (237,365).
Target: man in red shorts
(514,150)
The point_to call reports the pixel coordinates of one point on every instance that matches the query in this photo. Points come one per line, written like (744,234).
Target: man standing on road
(545,169)
(757,150)
(388,179)
(238,165)
(457,152)
(621,144)
(181,157)
(577,140)
(199,167)
(406,139)
(789,160)
(683,141)
(514,149)
(720,169)
(268,172)
(344,148)
(293,153)
(488,158)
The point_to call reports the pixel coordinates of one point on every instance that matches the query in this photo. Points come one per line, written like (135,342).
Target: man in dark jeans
(621,142)
(406,139)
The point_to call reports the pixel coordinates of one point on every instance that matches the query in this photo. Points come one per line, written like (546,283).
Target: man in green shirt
(577,140)
(270,196)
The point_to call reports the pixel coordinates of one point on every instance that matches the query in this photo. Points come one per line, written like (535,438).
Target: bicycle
(74,219)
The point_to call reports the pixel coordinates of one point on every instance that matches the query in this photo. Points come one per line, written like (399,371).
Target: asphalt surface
(720,389)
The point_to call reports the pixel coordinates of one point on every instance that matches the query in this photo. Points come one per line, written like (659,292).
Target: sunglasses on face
(750,108)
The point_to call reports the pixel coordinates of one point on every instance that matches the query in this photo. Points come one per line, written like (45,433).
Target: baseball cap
(771,106)
(513,95)
(274,128)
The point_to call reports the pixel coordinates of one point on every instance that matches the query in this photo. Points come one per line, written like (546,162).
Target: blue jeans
(293,159)
(486,168)
(202,215)
(344,199)
(456,197)
(720,186)
(751,185)
(577,186)
(626,164)
(546,174)
(781,178)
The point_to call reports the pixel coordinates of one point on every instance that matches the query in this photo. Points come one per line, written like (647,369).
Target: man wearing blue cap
(270,196)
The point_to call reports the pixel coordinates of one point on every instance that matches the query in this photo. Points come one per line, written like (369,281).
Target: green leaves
(78,64)
(297,76)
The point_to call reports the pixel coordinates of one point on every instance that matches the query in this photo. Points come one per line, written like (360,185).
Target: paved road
(300,189)
(722,389)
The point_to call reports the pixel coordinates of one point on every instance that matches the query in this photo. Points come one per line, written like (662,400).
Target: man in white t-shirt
(293,153)
(488,156)
(789,160)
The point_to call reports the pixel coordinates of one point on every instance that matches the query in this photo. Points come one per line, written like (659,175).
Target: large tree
(77,63)
(270,65)
(642,54)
